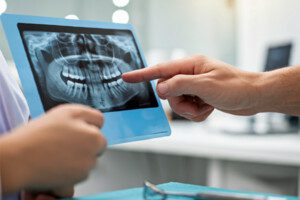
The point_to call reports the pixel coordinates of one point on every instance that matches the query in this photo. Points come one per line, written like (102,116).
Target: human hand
(195,86)
(54,151)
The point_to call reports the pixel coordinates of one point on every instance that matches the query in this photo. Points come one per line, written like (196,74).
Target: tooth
(65,71)
(81,75)
(95,89)
(118,91)
(71,71)
(85,91)
(119,81)
(77,71)
(90,89)
(100,76)
(118,73)
(105,85)
(114,83)
(110,84)
(87,73)
(78,90)
(123,88)
(92,85)
(107,72)
(70,83)
(113,75)
(70,87)
(71,91)
(65,74)
(76,85)
(103,72)
(114,93)
(93,77)
(97,76)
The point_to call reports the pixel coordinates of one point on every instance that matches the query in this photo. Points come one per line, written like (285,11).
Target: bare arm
(280,91)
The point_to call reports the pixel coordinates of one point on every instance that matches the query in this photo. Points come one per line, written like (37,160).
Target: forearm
(279,91)
(12,174)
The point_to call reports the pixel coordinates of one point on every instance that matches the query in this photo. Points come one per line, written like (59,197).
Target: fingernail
(162,88)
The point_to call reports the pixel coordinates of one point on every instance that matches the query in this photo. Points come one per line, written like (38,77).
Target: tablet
(74,61)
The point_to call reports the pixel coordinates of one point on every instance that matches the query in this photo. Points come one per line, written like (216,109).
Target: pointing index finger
(162,70)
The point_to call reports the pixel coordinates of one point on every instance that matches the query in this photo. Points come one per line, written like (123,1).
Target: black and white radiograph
(86,69)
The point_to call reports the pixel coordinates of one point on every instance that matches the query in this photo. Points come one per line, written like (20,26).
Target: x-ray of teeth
(86,68)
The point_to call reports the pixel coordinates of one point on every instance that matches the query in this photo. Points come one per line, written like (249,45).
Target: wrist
(252,91)
(13,174)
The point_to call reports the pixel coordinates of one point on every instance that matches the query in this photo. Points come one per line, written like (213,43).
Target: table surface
(197,140)
(137,193)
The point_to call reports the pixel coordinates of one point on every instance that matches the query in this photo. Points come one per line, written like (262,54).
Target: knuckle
(160,69)
(199,60)
(199,57)
(77,111)
(100,118)
(98,142)
(94,132)
(101,141)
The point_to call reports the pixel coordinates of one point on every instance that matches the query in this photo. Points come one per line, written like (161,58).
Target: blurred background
(258,153)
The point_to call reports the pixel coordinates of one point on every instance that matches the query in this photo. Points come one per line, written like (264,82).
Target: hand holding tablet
(71,61)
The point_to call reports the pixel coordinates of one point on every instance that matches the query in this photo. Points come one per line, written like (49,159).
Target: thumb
(178,85)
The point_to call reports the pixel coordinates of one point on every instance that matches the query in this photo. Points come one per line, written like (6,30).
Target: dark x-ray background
(86,69)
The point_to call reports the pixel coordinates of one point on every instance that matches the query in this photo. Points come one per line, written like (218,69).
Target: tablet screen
(84,65)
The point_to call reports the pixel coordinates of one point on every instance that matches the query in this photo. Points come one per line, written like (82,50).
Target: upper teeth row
(73,76)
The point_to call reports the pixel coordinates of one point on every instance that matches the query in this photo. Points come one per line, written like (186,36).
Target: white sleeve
(13,106)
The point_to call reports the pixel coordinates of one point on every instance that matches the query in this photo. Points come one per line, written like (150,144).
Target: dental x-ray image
(84,65)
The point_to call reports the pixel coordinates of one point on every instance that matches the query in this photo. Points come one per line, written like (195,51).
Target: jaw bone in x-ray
(86,68)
